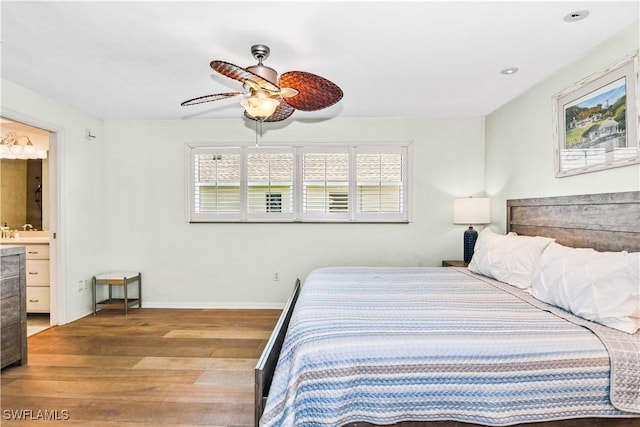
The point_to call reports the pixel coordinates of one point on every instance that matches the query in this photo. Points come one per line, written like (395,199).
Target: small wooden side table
(454,263)
(117,278)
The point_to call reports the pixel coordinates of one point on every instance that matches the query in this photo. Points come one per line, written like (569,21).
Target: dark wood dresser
(13,310)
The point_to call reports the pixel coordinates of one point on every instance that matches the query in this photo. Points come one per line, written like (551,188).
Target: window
(270,176)
(216,178)
(380,183)
(325,174)
(312,183)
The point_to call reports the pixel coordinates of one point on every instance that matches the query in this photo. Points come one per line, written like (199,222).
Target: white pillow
(511,259)
(600,286)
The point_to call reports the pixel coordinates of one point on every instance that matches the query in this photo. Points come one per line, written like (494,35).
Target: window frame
(298,150)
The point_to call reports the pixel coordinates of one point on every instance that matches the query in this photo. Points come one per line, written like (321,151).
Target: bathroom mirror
(23,182)
(21,193)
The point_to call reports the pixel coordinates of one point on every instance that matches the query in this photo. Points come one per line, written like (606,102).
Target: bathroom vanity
(36,244)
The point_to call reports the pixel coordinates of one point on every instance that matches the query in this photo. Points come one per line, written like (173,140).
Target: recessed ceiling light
(577,15)
(510,70)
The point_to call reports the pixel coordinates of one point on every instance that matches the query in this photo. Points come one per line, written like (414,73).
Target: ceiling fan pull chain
(257,133)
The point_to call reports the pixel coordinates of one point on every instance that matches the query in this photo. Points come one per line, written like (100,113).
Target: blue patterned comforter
(384,345)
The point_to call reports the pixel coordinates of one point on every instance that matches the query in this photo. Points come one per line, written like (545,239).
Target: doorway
(29,202)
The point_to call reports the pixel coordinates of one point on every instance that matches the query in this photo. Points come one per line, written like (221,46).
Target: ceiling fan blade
(283,112)
(240,74)
(209,98)
(315,92)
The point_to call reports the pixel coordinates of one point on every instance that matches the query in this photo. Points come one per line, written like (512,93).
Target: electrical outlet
(80,285)
(86,284)
(276,276)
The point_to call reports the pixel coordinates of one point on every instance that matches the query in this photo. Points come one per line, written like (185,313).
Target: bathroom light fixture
(19,147)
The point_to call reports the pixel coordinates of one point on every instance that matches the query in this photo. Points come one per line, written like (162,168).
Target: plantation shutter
(298,183)
(270,178)
(325,185)
(380,183)
(216,191)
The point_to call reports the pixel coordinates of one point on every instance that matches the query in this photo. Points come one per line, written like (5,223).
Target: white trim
(57,223)
(210,306)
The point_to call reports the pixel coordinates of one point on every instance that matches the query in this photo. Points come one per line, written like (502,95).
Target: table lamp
(471,210)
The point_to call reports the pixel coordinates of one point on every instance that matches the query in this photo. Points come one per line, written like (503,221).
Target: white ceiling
(139,60)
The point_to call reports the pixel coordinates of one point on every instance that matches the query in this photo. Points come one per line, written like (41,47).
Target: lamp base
(470,237)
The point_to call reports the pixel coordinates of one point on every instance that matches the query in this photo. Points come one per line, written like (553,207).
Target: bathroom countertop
(25,241)
(27,238)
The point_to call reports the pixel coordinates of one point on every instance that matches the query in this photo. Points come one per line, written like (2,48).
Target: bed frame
(269,358)
(605,222)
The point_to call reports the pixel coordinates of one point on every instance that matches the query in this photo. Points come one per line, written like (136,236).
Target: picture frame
(595,121)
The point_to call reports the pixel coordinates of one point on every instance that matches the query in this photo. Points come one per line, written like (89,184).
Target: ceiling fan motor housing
(261,52)
(265,72)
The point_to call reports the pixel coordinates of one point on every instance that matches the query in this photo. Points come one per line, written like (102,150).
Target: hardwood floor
(154,367)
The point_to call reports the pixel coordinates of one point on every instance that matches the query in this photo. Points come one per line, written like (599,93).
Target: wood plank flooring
(154,367)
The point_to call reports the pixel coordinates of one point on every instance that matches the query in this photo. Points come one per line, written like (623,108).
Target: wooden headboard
(604,222)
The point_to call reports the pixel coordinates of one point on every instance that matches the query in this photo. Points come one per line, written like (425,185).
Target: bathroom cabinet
(37,268)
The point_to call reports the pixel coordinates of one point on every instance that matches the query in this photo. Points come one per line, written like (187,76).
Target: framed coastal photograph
(596,121)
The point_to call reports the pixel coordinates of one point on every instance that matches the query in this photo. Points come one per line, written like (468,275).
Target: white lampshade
(472,210)
(260,105)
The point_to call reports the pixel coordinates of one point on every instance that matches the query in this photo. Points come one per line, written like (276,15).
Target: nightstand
(454,263)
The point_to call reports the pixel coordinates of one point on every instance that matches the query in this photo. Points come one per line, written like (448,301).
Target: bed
(449,346)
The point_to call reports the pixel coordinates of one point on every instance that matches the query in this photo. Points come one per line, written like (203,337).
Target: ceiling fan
(271,99)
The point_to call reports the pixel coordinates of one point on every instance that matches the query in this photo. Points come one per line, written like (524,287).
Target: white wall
(122,195)
(231,265)
(519,138)
(80,225)
(122,205)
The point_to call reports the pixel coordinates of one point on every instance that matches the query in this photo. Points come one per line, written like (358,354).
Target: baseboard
(77,316)
(213,306)
(186,306)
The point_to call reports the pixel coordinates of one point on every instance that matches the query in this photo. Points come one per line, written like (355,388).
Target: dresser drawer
(37,251)
(10,266)
(9,287)
(37,271)
(38,299)
(10,310)
(11,344)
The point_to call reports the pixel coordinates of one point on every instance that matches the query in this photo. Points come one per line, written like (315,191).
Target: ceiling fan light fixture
(273,97)
(260,105)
